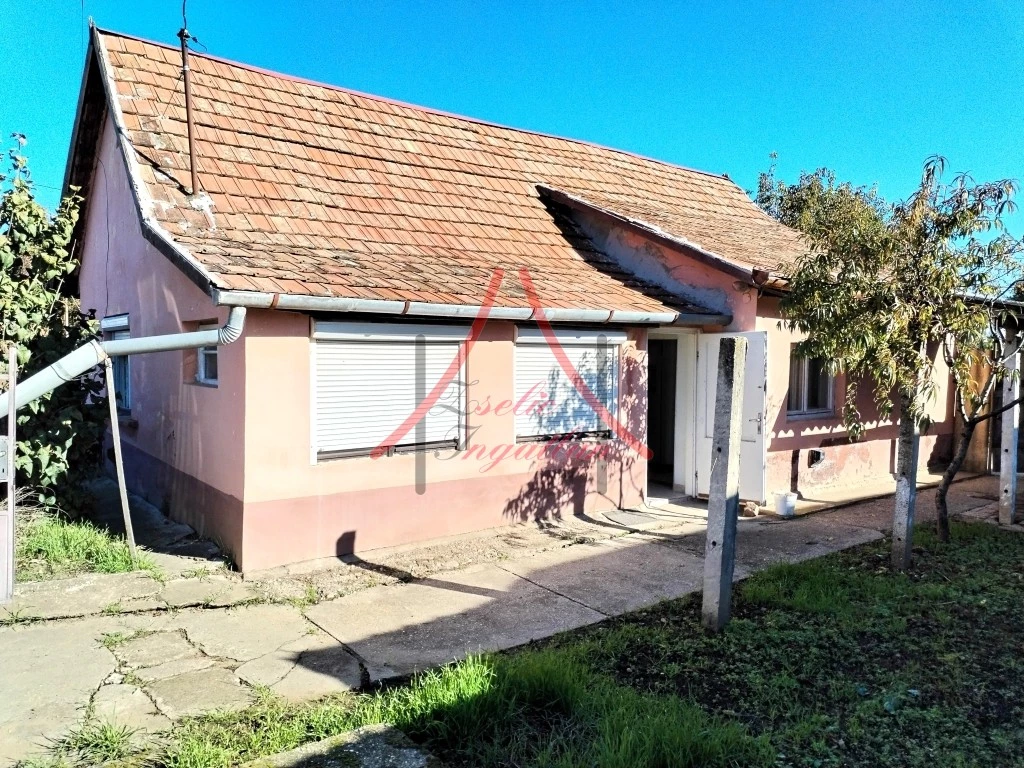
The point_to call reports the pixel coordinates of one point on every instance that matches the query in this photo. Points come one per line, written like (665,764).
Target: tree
(883,289)
(60,434)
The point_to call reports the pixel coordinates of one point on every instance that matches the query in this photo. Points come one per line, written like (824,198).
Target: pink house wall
(234,460)
(791,439)
(184,441)
(297,508)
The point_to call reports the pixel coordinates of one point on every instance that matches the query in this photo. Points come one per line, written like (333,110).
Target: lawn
(49,546)
(833,662)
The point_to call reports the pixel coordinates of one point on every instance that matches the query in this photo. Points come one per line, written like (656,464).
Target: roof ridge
(422,108)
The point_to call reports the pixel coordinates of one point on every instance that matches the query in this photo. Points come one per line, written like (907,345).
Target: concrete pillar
(1008,437)
(724,493)
(906,487)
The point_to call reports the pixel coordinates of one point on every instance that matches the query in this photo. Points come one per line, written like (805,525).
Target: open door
(752,445)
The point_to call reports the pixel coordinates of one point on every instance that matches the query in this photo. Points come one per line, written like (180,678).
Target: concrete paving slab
(151,650)
(309,668)
(173,668)
(47,674)
(84,595)
(760,543)
(244,633)
(614,576)
(192,693)
(127,705)
(412,627)
(212,591)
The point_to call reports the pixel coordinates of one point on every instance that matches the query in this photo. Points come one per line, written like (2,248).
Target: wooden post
(724,492)
(7,523)
(1008,438)
(115,436)
(906,487)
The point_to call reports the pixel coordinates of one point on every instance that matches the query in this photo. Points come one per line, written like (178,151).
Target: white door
(752,446)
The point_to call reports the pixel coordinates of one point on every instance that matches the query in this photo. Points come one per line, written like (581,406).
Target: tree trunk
(941,509)
(906,487)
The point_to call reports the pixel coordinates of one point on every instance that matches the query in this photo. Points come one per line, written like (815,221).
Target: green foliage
(60,434)
(883,288)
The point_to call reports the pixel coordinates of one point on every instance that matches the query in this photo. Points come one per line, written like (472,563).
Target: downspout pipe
(95,352)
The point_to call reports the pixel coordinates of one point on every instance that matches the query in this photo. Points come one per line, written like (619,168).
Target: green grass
(829,663)
(97,743)
(49,547)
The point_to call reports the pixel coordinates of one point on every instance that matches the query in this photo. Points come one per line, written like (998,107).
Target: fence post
(1008,438)
(10,449)
(724,492)
(115,436)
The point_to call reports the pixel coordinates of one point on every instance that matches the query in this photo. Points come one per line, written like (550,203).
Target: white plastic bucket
(785,504)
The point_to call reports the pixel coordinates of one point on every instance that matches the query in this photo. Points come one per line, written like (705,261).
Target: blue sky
(868,88)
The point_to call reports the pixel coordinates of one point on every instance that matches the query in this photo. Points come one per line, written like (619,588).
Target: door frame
(684,434)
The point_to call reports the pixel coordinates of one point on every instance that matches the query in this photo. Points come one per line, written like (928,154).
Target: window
(810,386)
(114,328)
(369,380)
(549,402)
(206,360)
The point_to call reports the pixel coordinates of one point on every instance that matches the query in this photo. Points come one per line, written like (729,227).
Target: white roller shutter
(540,378)
(365,390)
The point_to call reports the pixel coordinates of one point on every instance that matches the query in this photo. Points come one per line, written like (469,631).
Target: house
(550,308)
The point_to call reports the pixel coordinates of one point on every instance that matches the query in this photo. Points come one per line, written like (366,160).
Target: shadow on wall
(567,474)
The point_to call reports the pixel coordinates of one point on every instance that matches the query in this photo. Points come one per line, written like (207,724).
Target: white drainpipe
(95,352)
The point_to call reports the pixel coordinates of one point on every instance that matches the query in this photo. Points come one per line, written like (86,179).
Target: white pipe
(95,352)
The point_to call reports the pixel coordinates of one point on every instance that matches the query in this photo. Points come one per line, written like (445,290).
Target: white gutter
(95,352)
(258,300)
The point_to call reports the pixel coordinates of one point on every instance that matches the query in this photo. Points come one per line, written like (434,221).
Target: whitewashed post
(907,448)
(724,492)
(1008,436)
(7,514)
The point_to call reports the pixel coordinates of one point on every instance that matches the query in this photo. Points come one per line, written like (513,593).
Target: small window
(115,328)
(206,360)
(810,386)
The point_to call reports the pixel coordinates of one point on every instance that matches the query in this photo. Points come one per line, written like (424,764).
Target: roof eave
(744,272)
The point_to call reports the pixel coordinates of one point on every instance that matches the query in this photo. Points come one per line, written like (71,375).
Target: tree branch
(997,411)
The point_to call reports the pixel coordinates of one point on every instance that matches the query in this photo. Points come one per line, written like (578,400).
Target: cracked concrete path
(188,646)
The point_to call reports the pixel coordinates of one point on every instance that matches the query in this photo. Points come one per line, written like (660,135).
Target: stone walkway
(143,652)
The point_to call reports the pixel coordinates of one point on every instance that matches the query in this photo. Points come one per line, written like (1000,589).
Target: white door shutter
(365,390)
(753,445)
(540,379)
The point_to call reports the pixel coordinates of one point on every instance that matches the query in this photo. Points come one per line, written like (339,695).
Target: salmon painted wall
(791,439)
(297,509)
(184,441)
(673,271)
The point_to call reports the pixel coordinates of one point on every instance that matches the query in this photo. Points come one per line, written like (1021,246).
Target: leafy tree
(60,434)
(884,289)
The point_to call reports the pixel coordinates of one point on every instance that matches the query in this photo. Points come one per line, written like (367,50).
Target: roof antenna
(184,36)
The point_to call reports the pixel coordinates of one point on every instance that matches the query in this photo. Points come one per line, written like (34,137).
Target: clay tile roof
(322,191)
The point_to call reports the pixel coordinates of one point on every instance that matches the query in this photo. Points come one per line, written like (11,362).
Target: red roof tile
(322,191)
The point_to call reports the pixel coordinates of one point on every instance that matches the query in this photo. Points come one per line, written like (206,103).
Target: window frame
(387,333)
(614,339)
(802,411)
(201,362)
(116,328)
